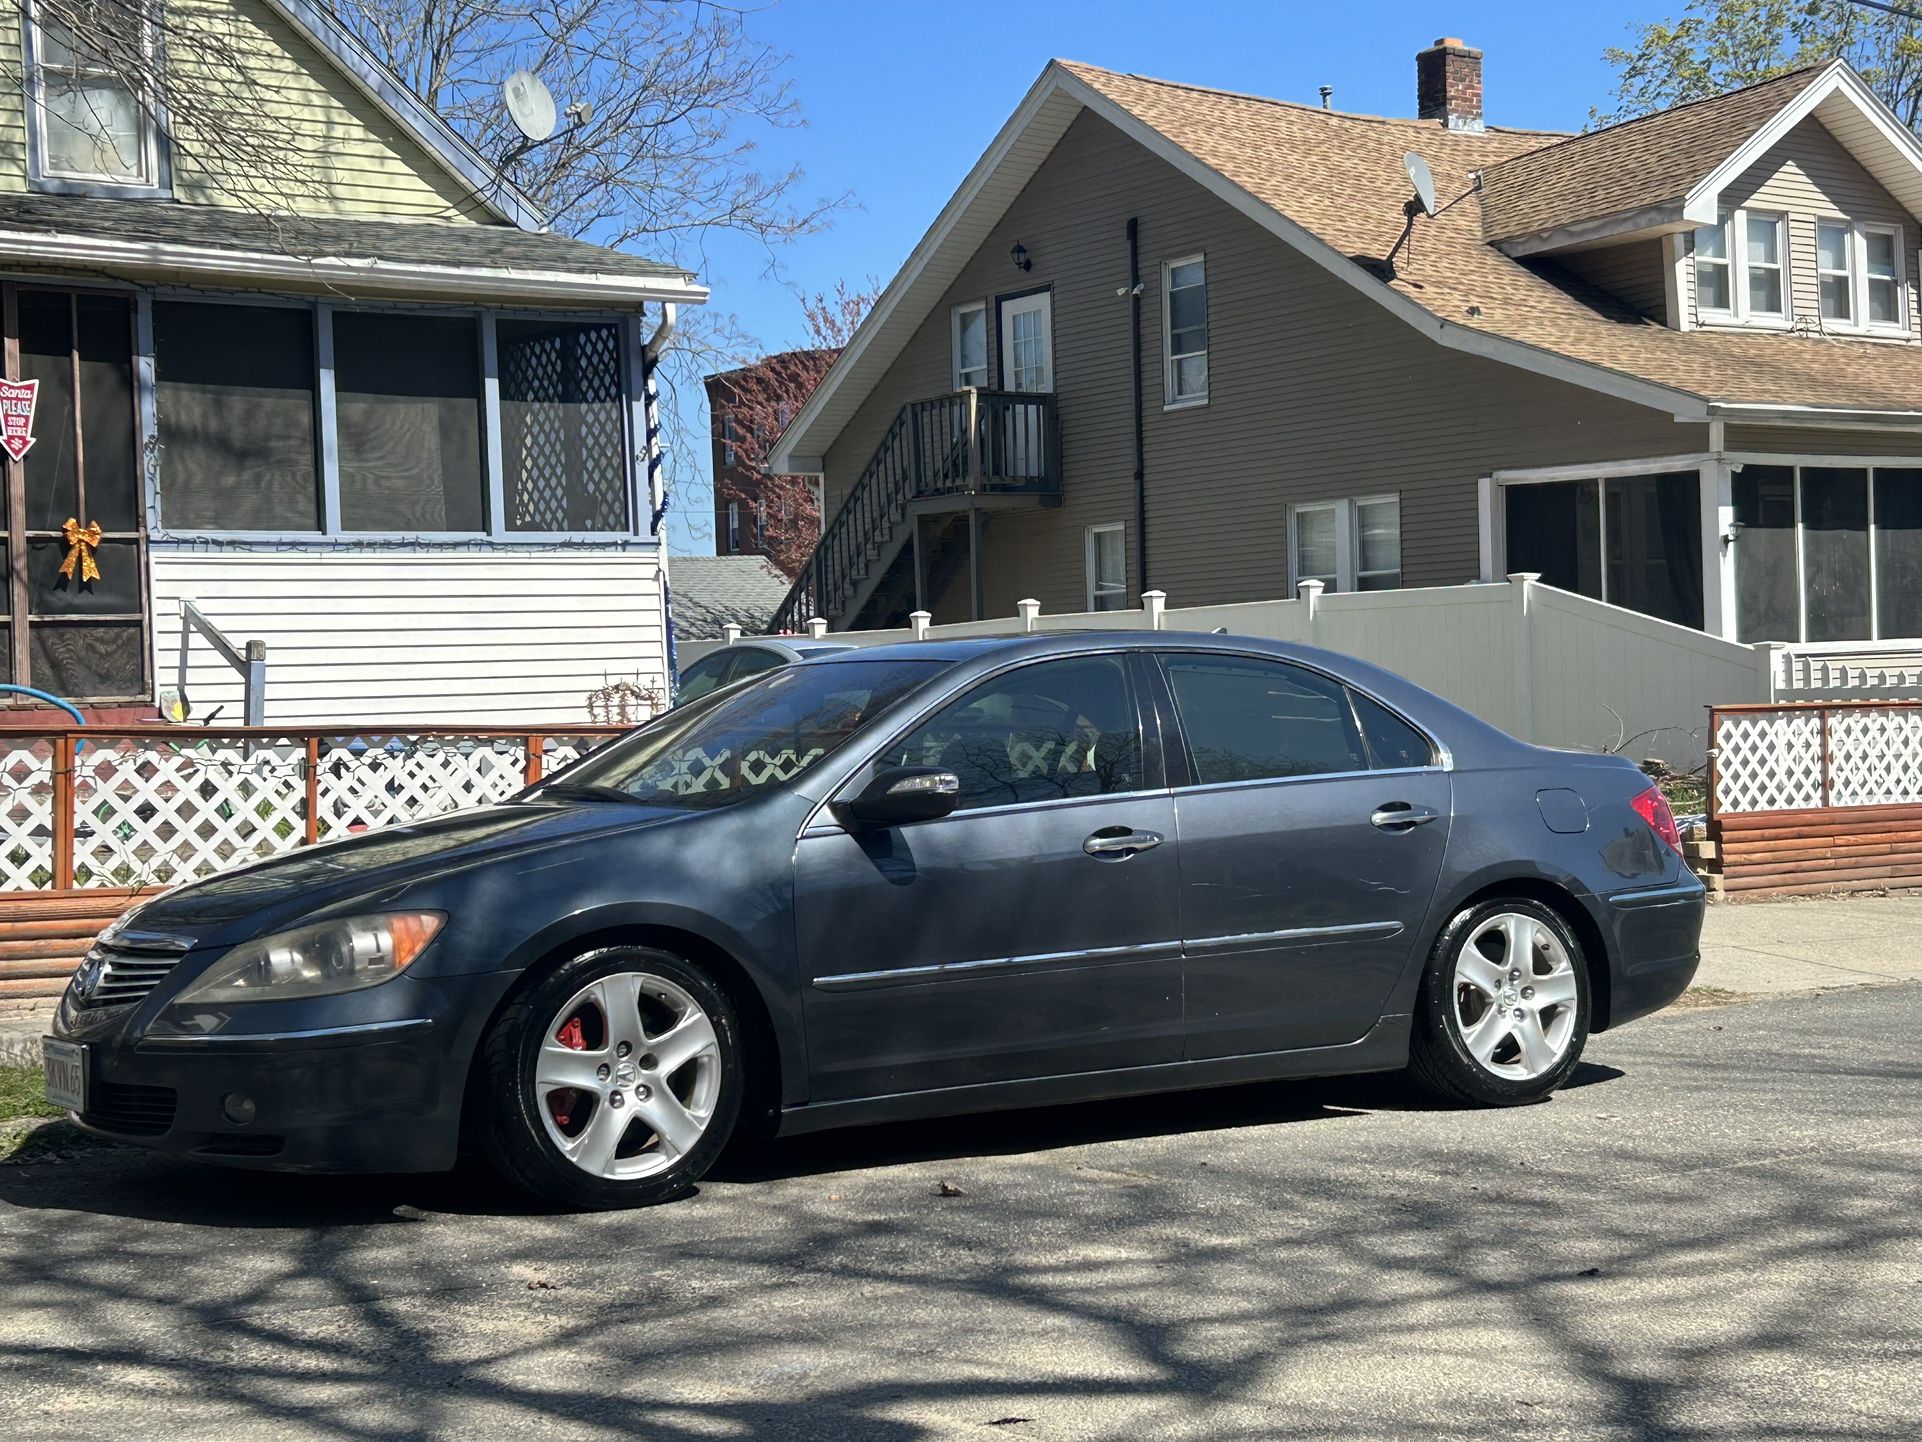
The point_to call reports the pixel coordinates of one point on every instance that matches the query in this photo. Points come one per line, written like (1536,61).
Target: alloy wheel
(627,1075)
(1515,996)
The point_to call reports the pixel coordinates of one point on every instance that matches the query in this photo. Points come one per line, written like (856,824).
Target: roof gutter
(1839,418)
(339,272)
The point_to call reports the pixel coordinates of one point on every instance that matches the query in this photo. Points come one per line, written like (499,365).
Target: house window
(1713,288)
(760,523)
(563,426)
(733,527)
(91,125)
(1633,541)
(1348,545)
(235,395)
(1107,567)
(1828,553)
(1184,330)
(970,345)
(407,412)
(1746,282)
(1763,262)
(729,456)
(1832,272)
(1859,270)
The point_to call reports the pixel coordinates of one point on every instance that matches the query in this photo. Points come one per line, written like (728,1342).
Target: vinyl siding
(335,152)
(1631,272)
(1810,174)
(506,638)
(1316,393)
(1793,441)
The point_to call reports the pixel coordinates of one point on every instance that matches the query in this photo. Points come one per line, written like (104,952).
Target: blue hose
(67,706)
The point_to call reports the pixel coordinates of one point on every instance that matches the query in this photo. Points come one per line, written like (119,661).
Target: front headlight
(318,960)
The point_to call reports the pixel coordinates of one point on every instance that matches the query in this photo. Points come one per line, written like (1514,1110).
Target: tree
(1717,45)
(764,398)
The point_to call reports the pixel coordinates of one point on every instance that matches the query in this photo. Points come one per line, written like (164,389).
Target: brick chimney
(1448,84)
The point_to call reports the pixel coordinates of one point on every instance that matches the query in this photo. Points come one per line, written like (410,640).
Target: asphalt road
(1716,1234)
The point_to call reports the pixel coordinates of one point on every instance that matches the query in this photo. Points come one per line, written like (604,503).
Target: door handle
(1117,841)
(1400,816)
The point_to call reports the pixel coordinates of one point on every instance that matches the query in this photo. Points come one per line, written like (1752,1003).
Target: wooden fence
(1816,796)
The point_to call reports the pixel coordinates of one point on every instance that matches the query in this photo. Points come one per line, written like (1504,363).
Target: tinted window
(728,746)
(1391,741)
(704,675)
(1040,733)
(1248,720)
(753,663)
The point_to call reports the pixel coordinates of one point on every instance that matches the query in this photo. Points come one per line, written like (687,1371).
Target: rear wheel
(1504,1012)
(614,1081)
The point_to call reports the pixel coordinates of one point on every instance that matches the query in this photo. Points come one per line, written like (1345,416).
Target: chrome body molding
(1297,936)
(261,1041)
(955,970)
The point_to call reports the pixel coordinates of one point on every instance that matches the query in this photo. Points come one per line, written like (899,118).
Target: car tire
(1490,1028)
(613,1081)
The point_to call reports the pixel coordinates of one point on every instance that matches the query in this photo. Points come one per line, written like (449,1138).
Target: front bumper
(1656,944)
(352,1093)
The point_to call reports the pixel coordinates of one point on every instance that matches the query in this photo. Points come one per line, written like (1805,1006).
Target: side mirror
(902,794)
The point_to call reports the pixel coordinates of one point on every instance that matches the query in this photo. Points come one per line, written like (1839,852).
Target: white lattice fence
(1801,758)
(26,816)
(157,808)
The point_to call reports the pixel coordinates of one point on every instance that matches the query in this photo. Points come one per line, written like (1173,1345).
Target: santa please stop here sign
(17,400)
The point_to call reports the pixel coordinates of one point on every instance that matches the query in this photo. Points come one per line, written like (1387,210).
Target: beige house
(1176,338)
(331,380)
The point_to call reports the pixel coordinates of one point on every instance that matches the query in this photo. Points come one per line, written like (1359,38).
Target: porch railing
(974,441)
(149,805)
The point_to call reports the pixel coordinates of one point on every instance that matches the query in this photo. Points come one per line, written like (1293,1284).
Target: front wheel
(614,1081)
(1504,1010)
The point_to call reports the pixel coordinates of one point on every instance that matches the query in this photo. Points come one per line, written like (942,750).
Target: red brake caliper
(571,1036)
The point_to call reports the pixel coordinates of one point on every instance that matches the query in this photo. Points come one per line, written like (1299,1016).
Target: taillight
(1652,807)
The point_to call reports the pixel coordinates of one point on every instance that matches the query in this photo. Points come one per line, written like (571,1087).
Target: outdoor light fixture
(1019,255)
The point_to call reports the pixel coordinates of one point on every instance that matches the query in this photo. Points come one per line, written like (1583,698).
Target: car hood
(315,877)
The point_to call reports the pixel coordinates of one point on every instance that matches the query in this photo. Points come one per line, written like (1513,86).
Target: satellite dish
(531,106)
(1419,176)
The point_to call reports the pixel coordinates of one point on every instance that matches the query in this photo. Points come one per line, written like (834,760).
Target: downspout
(656,481)
(1141,463)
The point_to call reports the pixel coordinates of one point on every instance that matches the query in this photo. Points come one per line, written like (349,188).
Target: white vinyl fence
(1545,665)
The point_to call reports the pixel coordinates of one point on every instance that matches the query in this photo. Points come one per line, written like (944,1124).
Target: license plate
(66,1065)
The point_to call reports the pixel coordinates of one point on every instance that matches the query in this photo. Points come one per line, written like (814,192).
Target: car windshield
(742,741)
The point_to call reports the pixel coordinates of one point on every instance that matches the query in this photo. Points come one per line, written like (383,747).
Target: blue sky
(902,96)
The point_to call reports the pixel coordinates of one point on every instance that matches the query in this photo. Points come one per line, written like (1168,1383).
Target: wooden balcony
(954,452)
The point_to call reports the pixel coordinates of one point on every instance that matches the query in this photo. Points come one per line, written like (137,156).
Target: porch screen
(235,399)
(1898,551)
(1828,553)
(1633,541)
(563,426)
(407,405)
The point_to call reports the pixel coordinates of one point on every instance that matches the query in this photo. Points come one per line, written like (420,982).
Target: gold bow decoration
(81,541)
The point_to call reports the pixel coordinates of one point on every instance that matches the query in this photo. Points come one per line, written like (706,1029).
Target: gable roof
(374,79)
(1631,167)
(710,591)
(1331,185)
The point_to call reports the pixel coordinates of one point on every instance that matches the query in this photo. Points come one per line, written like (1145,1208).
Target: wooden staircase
(966,450)
(44,934)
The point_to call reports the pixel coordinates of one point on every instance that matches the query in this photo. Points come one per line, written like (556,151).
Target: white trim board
(492,284)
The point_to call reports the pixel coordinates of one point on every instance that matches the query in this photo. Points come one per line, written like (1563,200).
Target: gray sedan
(895,882)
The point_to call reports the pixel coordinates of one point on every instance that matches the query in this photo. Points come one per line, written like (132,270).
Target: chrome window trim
(1181,791)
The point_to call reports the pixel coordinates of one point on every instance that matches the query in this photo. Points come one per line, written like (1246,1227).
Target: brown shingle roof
(1340,177)
(1649,161)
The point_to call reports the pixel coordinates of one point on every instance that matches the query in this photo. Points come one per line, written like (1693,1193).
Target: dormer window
(91,124)
(1746,283)
(1860,272)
